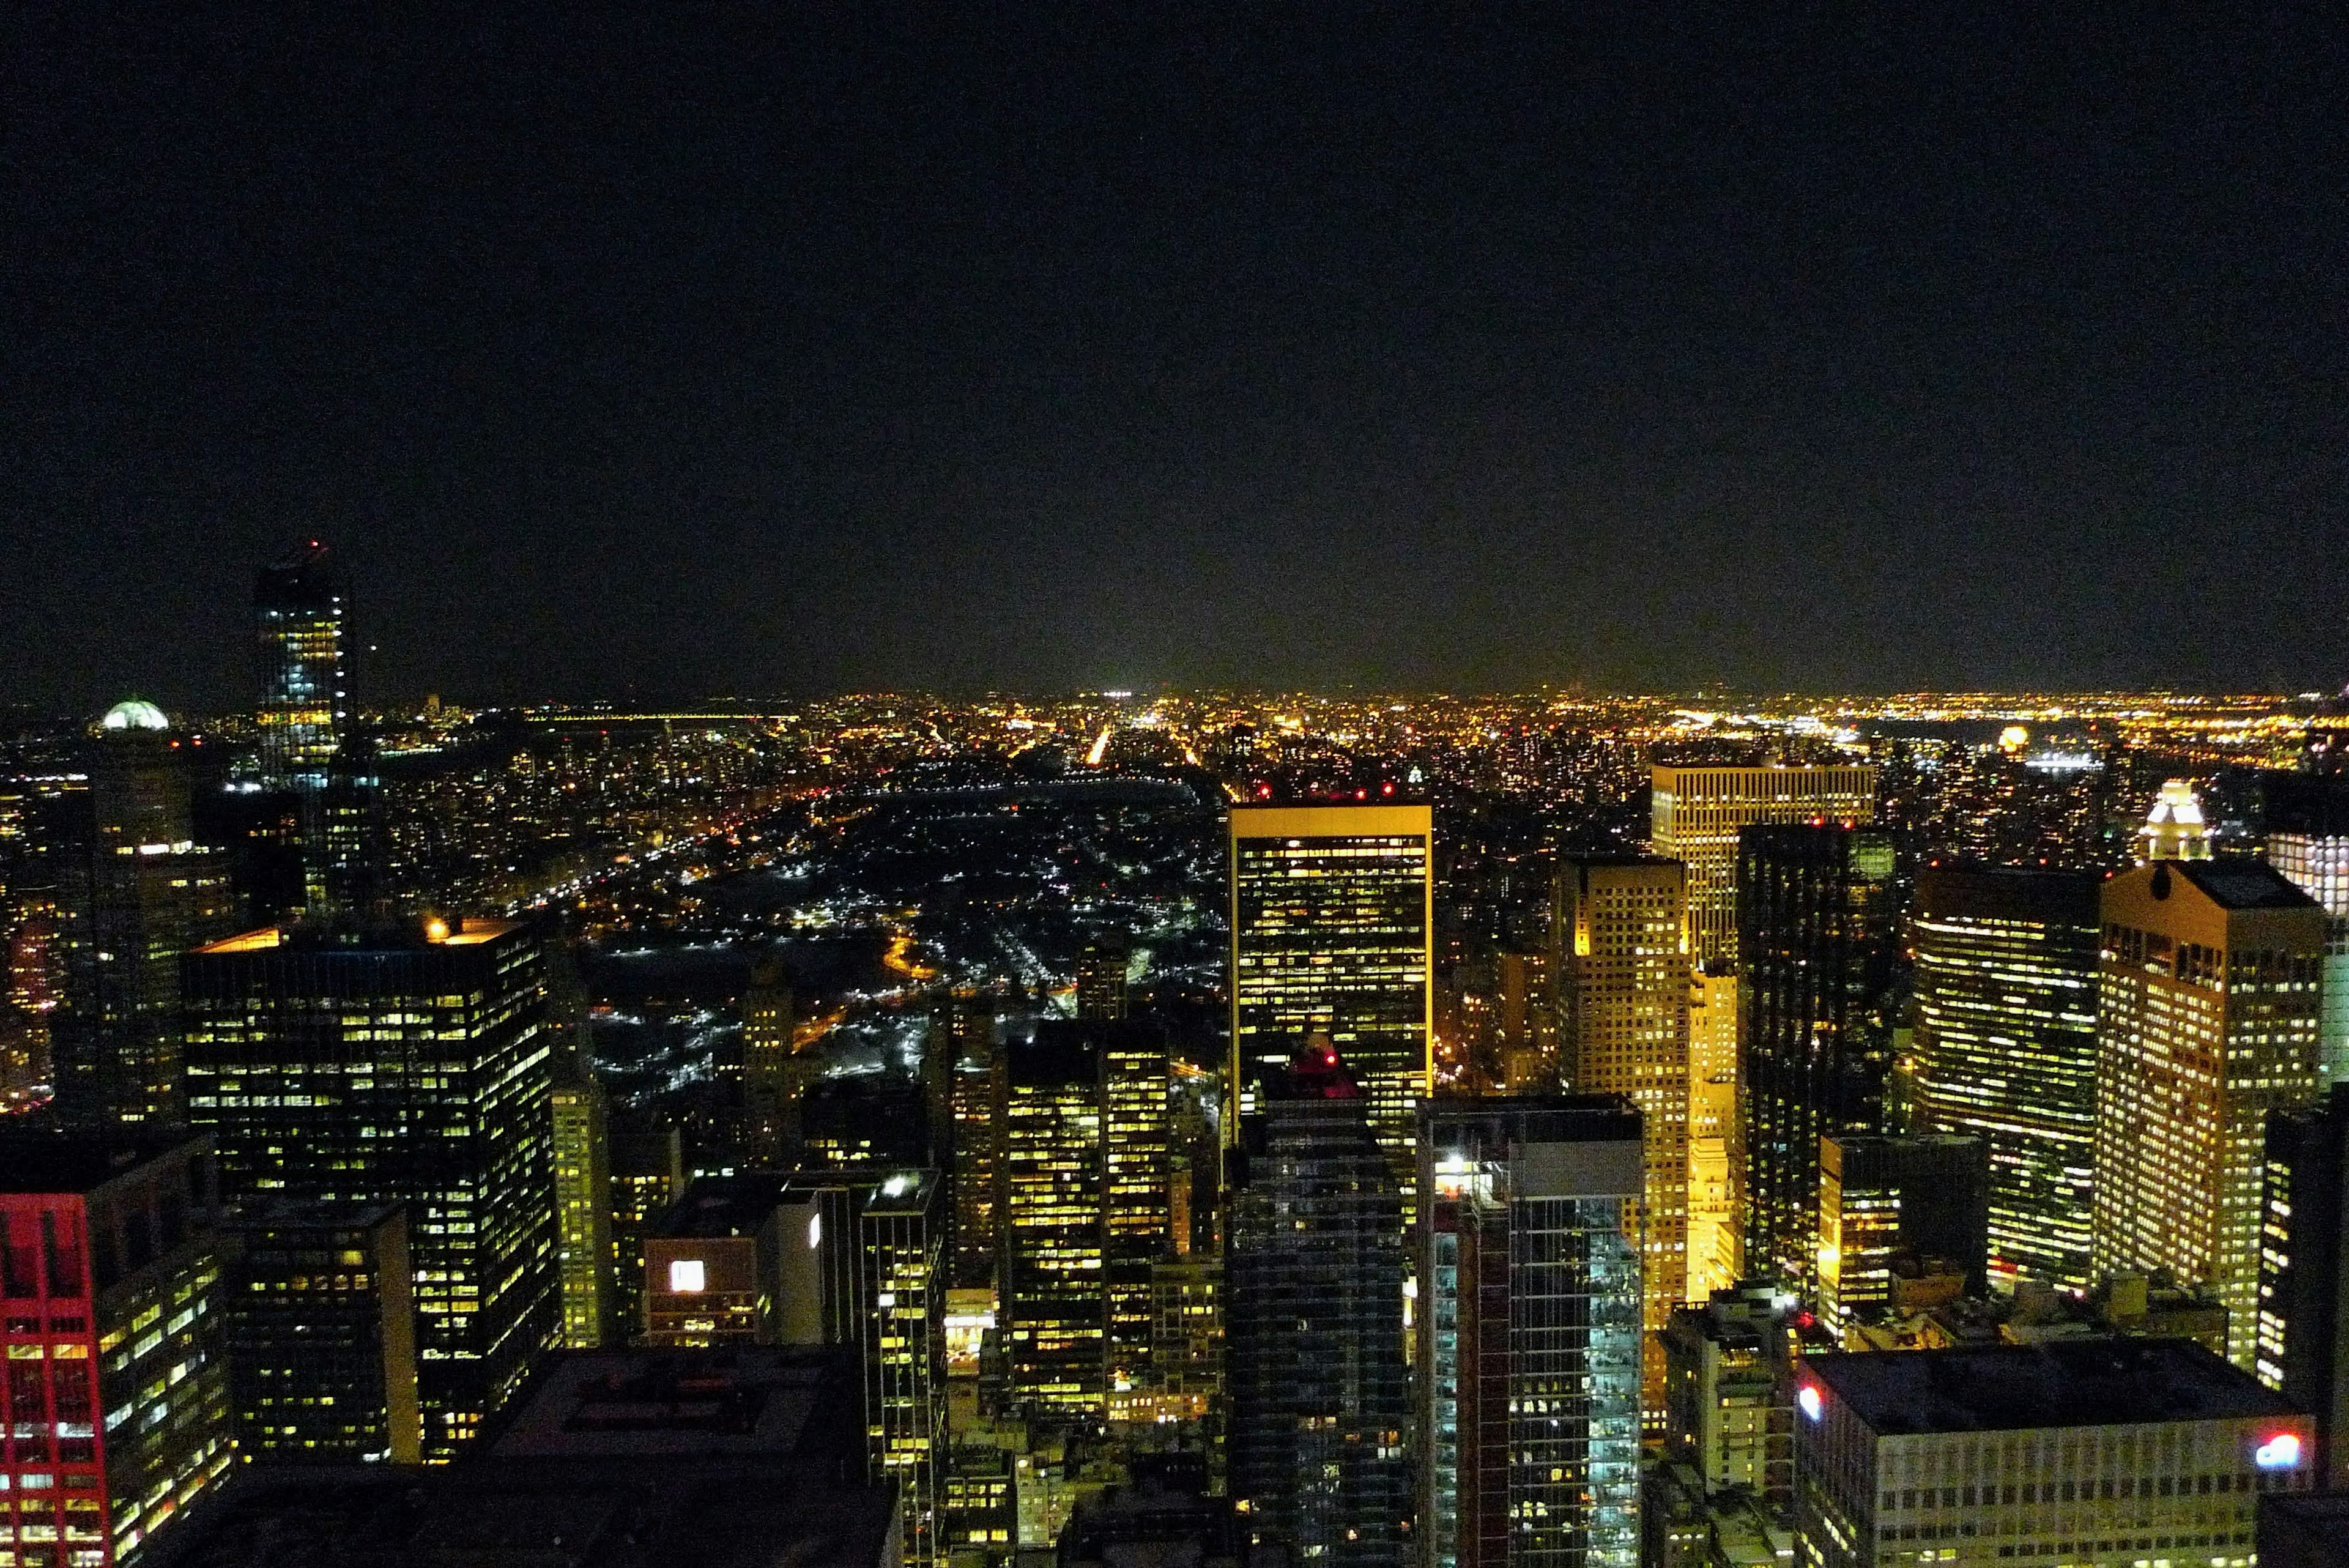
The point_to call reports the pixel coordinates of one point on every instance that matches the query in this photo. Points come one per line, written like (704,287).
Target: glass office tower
(298,621)
(2006,1051)
(1529,1405)
(1333,915)
(2308,841)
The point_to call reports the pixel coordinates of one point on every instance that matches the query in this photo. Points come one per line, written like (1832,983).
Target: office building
(648,1167)
(1101,971)
(1729,1387)
(1316,1450)
(1163,1515)
(978,1100)
(137,891)
(1529,1404)
(1922,1197)
(1698,813)
(1186,1338)
(2100,1453)
(1138,1174)
(1621,938)
(2206,1021)
(582,1202)
(1333,915)
(2302,1333)
(772,1077)
(119,1420)
(1052,1208)
(2308,841)
(1716,1240)
(322,1335)
(298,618)
(2006,1051)
(611,1459)
(1819,947)
(399,1063)
(2174,828)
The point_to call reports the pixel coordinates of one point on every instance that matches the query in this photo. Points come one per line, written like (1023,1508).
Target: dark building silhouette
(2302,1345)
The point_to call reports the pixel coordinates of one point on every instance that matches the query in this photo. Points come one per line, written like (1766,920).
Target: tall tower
(1052,1186)
(2208,1021)
(298,618)
(1818,933)
(1101,977)
(399,1063)
(1314,1336)
(582,1202)
(1697,812)
(1332,919)
(1138,1160)
(2174,828)
(2308,841)
(2006,1051)
(1622,928)
(143,893)
(978,1098)
(1716,1132)
(769,1090)
(1529,1404)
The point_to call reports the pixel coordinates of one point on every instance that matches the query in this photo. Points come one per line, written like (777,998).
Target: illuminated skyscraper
(2206,1021)
(2174,828)
(1136,1127)
(1818,934)
(1052,1212)
(119,1420)
(2006,1051)
(583,1203)
(1716,1241)
(141,893)
(1332,911)
(1623,1027)
(399,1065)
(1928,1197)
(1529,1402)
(1697,812)
(1314,1336)
(2308,841)
(298,616)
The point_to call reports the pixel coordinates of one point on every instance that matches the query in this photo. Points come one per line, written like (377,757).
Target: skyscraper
(1138,1165)
(1716,1241)
(2206,1021)
(1623,1002)
(2304,1334)
(1333,915)
(978,1098)
(582,1202)
(298,618)
(770,1086)
(1699,811)
(1053,1198)
(1101,977)
(399,1063)
(1818,933)
(119,1412)
(2308,841)
(139,892)
(1314,1339)
(1925,1195)
(2006,1051)
(1529,1402)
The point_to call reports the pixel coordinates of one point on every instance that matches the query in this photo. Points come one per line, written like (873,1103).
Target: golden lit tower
(1052,1182)
(583,1201)
(1332,916)
(1621,926)
(1716,1137)
(1697,811)
(2174,828)
(2208,1020)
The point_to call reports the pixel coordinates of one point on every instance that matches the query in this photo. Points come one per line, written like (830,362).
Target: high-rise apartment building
(117,1408)
(1622,935)
(582,1147)
(1818,939)
(1529,1401)
(136,892)
(1697,812)
(322,1335)
(298,620)
(1052,1187)
(1332,914)
(2304,1334)
(1716,1239)
(399,1065)
(2308,841)
(2206,1021)
(1923,1195)
(2099,1453)
(2006,1051)
(1316,1450)
(1729,1388)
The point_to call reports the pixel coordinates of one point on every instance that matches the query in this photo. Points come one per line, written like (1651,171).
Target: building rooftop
(635,1405)
(2070,1382)
(37,1160)
(2242,884)
(372,939)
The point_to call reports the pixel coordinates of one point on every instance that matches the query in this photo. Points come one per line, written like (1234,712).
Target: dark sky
(692,350)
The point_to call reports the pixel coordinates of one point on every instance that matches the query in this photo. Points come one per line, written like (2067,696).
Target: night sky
(691,351)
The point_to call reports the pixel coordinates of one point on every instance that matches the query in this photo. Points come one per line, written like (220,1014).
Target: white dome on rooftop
(134,715)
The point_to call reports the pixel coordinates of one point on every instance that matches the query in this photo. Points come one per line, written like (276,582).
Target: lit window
(686,1276)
